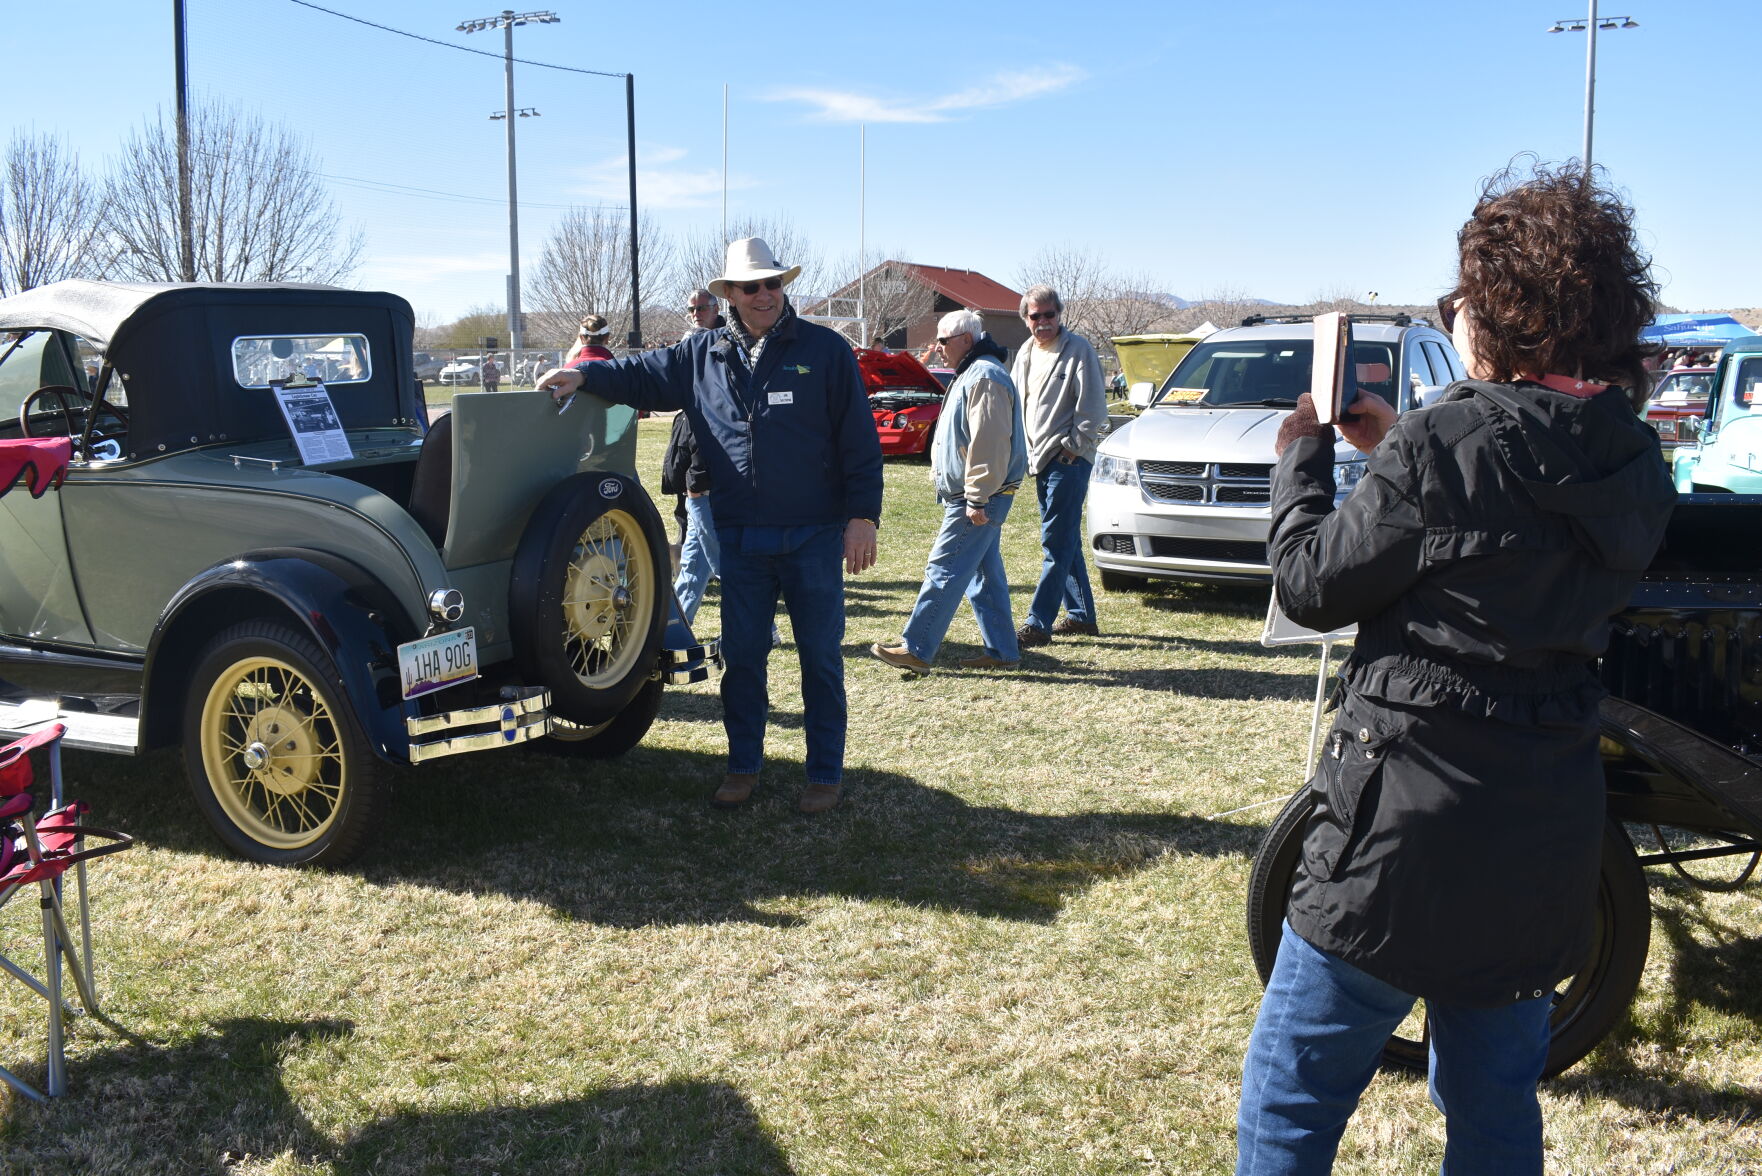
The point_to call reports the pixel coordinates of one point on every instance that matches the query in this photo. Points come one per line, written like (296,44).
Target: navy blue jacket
(792,444)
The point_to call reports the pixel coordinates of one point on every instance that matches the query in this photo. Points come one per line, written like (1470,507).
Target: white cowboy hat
(750,260)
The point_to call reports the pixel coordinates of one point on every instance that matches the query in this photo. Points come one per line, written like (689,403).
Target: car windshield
(301,360)
(1680,387)
(1266,372)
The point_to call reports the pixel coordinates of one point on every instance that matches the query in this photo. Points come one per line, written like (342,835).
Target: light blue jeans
(1064,574)
(1315,1047)
(965,559)
(700,556)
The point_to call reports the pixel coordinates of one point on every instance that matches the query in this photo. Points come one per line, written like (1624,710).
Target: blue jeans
(1064,574)
(699,556)
(805,566)
(965,559)
(1316,1044)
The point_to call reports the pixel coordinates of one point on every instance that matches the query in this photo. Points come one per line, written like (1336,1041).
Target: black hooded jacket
(1455,844)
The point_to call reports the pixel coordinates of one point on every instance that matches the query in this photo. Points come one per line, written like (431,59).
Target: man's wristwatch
(875,523)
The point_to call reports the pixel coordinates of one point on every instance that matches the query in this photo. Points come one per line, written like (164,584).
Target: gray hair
(960,322)
(701,293)
(1041,294)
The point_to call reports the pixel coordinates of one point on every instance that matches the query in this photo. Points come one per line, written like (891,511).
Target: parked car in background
(944,375)
(427,367)
(1147,360)
(300,585)
(1678,396)
(463,369)
(1183,490)
(1724,452)
(906,398)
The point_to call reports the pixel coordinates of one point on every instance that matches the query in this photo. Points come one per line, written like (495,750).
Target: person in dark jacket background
(781,418)
(1454,847)
(683,473)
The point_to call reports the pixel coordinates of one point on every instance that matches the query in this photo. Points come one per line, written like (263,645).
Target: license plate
(434,663)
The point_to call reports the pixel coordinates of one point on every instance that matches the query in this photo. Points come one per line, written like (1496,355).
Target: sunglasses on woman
(751,288)
(1447,310)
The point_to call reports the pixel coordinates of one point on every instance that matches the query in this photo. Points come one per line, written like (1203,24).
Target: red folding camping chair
(36,853)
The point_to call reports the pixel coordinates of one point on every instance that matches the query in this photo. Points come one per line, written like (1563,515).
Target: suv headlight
(1113,471)
(1347,474)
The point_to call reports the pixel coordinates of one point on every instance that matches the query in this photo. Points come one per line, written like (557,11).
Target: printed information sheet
(318,431)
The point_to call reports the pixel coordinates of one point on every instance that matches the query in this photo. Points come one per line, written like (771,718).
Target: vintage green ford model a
(261,551)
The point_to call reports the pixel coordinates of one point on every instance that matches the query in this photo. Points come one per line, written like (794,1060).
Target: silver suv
(1183,491)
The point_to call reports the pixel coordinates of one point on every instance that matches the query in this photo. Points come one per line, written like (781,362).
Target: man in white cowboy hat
(783,424)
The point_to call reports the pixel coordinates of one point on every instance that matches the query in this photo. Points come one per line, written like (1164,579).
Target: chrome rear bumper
(522,716)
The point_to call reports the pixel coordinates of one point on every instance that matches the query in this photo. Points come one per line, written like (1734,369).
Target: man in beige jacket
(1065,410)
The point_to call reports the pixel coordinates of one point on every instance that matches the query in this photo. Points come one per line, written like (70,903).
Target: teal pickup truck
(1723,449)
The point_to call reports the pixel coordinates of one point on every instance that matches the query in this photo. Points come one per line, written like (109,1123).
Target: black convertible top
(171,344)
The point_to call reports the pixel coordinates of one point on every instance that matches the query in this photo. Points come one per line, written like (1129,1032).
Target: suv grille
(1218,550)
(1228,484)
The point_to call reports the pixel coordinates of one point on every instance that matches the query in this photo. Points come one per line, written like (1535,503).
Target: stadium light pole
(507,22)
(1590,24)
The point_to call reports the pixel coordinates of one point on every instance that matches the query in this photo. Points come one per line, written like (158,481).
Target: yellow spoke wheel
(277,762)
(609,594)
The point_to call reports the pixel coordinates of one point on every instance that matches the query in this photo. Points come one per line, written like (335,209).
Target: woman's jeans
(699,556)
(805,567)
(965,559)
(1064,574)
(1316,1044)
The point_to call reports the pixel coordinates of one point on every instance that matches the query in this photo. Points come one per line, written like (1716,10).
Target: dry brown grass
(1016,949)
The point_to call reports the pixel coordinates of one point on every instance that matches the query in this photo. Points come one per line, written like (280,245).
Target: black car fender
(352,616)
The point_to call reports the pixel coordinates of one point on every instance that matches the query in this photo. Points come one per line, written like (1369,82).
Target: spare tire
(586,596)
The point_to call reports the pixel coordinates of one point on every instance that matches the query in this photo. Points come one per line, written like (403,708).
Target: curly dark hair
(1553,279)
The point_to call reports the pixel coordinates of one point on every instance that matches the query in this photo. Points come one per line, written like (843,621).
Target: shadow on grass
(640,846)
(1713,966)
(207,1103)
(632,842)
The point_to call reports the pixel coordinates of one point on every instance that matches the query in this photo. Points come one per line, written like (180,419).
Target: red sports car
(905,397)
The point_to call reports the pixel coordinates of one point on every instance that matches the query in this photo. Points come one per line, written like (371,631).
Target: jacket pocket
(1344,788)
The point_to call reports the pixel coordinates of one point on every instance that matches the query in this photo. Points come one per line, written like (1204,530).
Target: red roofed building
(905,299)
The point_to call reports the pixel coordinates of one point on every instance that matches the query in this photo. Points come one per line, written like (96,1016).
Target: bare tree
(50,217)
(259,212)
(703,253)
(585,269)
(886,292)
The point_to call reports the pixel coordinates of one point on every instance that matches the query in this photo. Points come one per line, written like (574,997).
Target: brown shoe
(821,798)
(1029,636)
(898,655)
(737,788)
(1065,627)
(986,662)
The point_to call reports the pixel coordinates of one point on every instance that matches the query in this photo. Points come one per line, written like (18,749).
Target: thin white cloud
(658,185)
(998,90)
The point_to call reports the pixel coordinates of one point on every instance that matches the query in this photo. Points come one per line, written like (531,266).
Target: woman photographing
(1453,852)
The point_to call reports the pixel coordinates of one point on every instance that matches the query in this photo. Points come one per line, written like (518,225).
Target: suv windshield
(300,359)
(1266,372)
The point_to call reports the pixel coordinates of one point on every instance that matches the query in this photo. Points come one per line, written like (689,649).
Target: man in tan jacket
(1065,410)
(977,460)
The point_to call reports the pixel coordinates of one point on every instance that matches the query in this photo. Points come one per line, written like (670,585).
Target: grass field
(1016,948)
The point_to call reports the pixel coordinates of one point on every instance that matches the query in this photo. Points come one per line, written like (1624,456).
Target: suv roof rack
(1400,320)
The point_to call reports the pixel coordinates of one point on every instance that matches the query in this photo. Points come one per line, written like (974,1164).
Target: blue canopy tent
(1695,330)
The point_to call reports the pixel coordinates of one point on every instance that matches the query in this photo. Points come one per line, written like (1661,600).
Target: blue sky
(1285,150)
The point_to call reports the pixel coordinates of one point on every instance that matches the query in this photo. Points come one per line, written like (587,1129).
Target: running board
(87,731)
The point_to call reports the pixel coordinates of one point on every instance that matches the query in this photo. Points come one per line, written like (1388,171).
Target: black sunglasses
(1447,310)
(750,288)
(1041,315)
(942,340)
(695,309)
